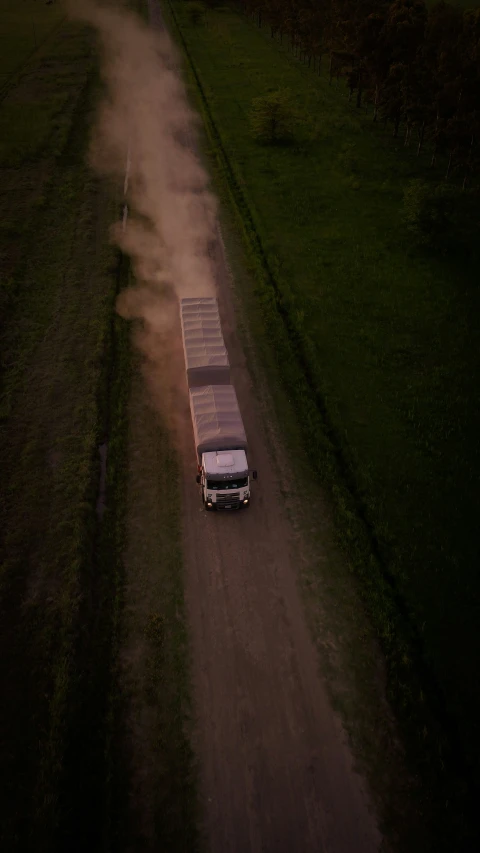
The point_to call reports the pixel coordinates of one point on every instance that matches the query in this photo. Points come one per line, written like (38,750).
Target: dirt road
(276,771)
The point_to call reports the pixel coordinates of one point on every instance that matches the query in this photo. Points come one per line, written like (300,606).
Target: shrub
(272,117)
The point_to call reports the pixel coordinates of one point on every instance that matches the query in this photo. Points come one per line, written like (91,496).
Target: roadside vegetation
(153,775)
(415,65)
(377,336)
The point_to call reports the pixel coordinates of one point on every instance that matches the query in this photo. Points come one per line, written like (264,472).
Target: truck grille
(231,501)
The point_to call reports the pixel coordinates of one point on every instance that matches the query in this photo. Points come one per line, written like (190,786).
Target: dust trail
(171,227)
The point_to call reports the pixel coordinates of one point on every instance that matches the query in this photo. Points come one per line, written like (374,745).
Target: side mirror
(198,478)
(254,475)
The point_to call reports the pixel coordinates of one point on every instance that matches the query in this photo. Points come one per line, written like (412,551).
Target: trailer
(206,358)
(219,433)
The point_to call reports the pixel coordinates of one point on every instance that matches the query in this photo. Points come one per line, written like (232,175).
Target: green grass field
(387,336)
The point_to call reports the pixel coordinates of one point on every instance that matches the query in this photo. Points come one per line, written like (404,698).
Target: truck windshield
(240,483)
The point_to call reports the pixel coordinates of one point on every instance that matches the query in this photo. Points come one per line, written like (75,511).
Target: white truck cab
(225,480)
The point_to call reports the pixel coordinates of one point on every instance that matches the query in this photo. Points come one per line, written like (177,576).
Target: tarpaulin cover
(206,358)
(216,418)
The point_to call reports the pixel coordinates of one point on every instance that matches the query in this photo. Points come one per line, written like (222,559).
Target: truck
(219,433)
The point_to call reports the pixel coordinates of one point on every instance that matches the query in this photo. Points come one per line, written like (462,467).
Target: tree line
(418,66)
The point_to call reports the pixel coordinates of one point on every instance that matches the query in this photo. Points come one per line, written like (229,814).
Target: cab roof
(225,464)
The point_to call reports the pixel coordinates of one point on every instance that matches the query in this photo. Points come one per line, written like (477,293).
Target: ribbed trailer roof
(206,357)
(216,418)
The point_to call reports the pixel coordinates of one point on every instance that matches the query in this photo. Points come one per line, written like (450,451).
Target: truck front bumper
(220,507)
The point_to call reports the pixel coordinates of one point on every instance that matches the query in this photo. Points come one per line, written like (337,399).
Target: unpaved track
(276,771)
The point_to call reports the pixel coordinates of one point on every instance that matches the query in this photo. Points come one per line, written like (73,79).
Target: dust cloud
(144,119)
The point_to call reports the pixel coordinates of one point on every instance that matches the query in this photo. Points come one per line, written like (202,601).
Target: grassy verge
(153,779)
(378,338)
(89,775)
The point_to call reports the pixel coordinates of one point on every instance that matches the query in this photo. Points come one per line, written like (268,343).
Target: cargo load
(216,418)
(206,357)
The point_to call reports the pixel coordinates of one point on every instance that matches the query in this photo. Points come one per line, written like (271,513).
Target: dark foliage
(419,66)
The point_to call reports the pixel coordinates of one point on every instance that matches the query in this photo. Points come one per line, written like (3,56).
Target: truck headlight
(246,500)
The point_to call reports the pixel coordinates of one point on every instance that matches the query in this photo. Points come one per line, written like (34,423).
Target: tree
(416,90)
(417,65)
(469,106)
(272,117)
(392,98)
(291,18)
(274,13)
(405,29)
(374,53)
(311,24)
